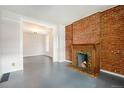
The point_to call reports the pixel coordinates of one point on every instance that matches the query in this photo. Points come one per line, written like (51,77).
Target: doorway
(37,39)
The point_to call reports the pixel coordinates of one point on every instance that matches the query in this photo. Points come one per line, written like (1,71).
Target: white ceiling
(57,14)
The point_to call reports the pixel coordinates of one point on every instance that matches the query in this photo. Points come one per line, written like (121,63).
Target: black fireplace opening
(82,59)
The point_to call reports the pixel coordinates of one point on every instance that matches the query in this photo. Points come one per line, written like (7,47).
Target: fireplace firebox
(82,59)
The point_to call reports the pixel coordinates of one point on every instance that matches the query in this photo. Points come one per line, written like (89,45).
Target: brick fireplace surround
(92,50)
(103,33)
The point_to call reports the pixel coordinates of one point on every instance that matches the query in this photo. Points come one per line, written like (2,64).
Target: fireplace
(85,58)
(82,60)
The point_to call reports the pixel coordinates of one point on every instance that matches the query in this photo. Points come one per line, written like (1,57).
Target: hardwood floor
(41,72)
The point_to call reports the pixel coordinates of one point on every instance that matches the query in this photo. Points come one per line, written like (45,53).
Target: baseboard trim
(63,61)
(68,61)
(119,75)
(47,56)
(36,55)
(33,55)
(0,77)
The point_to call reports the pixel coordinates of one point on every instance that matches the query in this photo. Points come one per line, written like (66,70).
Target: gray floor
(40,72)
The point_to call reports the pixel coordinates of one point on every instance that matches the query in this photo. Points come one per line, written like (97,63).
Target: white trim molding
(112,73)
(68,61)
(0,77)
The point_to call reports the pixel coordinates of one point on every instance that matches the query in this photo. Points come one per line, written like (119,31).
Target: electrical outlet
(13,64)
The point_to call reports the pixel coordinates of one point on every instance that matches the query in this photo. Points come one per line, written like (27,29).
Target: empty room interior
(62,46)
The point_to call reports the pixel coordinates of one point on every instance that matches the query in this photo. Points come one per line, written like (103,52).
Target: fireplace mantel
(86,44)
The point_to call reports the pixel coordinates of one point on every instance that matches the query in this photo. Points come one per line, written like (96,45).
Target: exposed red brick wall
(87,30)
(68,38)
(107,28)
(112,40)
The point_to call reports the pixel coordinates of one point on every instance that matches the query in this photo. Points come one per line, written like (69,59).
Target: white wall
(33,44)
(53,36)
(58,43)
(0,49)
(49,44)
(11,42)
(61,43)
(55,45)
